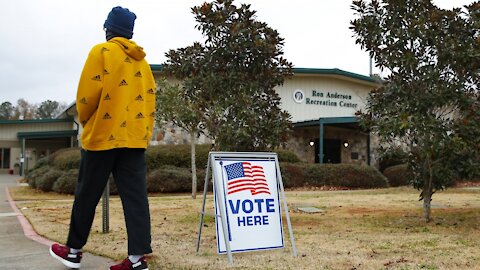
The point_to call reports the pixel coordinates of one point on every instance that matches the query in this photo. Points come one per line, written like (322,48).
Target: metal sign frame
(239,156)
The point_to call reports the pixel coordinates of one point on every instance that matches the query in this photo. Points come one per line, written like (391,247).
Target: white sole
(65,262)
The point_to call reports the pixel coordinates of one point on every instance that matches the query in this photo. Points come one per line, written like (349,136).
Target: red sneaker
(128,265)
(63,254)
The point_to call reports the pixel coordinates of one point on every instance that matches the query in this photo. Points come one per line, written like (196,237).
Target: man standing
(115,104)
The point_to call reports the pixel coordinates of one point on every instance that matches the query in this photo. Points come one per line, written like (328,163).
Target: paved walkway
(20,247)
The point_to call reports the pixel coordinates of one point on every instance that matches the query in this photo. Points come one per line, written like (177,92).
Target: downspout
(320,141)
(78,127)
(22,159)
(71,139)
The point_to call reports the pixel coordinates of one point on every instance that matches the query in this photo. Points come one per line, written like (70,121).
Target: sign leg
(223,216)
(285,206)
(202,213)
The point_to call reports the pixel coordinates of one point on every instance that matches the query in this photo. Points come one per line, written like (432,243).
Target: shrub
(176,179)
(67,159)
(169,179)
(201,181)
(176,155)
(391,157)
(48,160)
(33,175)
(398,175)
(45,181)
(344,175)
(337,175)
(292,174)
(41,162)
(287,156)
(169,171)
(67,182)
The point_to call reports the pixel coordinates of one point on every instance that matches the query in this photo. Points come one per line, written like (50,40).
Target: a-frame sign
(248,191)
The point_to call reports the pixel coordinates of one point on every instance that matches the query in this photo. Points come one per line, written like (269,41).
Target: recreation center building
(321,102)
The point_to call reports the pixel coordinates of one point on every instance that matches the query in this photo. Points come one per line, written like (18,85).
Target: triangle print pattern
(107,116)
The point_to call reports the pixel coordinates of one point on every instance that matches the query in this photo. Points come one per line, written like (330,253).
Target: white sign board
(247,190)
(250,198)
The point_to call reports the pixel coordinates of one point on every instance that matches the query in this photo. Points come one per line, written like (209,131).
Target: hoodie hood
(129,47)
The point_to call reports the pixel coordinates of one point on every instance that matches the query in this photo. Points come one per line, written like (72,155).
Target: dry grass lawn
(367,229)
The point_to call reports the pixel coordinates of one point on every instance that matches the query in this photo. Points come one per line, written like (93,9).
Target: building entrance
(332,151)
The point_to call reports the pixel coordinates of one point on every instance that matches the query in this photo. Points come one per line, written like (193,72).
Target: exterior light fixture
(345,144)
(311,143)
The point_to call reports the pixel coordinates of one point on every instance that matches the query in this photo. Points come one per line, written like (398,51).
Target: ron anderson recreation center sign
(325,98)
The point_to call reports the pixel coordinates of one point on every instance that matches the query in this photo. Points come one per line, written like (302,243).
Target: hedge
(398,175)
(35,174)
(169,171)
(176,155)
(67,159)
(336,175)
(45,181)
(392,157)
(67,182)
(179,156)
(169,179)
(41,162)
(287,156)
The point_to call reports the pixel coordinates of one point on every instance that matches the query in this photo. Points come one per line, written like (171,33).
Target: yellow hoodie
(116,97)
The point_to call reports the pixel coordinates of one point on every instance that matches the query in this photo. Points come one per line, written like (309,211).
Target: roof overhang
(34,121)
(330,72)
(47,134)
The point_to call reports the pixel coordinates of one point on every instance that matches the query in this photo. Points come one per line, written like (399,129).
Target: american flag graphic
(245,176)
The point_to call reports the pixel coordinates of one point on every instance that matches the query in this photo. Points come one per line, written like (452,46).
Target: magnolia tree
(230,77)
(429,103)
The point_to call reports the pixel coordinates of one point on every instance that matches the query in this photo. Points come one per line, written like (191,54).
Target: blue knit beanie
(121,20)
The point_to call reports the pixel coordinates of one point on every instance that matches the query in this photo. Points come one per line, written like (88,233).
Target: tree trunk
(427,194)
(427,199)
(194,167)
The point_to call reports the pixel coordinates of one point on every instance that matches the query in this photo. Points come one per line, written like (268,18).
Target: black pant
(129,170)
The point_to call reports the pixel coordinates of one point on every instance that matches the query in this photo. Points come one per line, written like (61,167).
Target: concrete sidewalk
(21,248)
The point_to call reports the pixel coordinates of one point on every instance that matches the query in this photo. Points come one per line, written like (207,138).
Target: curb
(26,226)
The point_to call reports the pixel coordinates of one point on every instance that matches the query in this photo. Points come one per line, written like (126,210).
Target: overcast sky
(44,44)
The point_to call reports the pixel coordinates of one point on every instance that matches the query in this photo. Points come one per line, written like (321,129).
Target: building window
(4,158)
